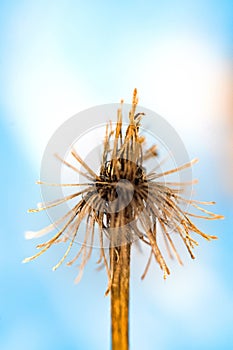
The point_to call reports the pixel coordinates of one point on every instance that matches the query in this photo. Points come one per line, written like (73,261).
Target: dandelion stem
(120,266)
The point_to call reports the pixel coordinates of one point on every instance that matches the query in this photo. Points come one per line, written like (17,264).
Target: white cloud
(178,77)
(182,81)
(41,91)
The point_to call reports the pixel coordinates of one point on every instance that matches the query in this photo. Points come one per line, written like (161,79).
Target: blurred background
(58,58)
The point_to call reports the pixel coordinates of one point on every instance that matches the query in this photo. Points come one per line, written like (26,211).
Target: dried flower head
(125,202)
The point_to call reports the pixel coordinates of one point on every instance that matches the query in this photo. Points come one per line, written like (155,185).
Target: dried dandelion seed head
(125,202)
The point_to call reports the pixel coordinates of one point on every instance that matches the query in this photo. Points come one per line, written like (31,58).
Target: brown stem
(120,266)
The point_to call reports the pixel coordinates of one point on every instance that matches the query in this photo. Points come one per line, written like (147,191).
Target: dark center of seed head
(122,169)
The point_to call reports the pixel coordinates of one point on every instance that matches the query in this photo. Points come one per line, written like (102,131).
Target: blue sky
(58,58)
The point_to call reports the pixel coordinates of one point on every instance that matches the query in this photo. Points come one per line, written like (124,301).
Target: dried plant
(126,204)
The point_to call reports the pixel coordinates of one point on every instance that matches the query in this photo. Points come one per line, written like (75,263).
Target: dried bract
(125,202)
